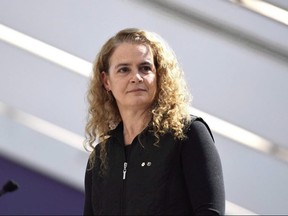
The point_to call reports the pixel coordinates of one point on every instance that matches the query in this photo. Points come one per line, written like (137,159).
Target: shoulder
(199,142)
(197,126)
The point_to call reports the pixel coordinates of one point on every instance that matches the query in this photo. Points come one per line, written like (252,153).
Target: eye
(146,69)
(123,70)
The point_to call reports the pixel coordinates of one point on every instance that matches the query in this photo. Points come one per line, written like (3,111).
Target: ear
(105,80)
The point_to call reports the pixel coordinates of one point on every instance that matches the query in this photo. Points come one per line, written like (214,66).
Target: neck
(134,122)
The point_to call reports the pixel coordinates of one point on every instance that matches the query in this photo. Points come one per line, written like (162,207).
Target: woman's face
(132,76)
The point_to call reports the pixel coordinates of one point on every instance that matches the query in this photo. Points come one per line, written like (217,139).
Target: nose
(136,77)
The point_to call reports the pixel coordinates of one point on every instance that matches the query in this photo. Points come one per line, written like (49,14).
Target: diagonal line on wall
(83,68)
(194,17)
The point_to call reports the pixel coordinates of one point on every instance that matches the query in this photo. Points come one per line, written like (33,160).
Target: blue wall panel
(37,194)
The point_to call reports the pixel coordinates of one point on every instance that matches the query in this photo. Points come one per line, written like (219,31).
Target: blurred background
(235,58)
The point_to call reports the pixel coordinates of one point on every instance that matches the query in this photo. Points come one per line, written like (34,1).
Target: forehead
(130,52)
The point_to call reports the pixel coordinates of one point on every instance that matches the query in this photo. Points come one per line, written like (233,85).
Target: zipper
(123,206)
(125,170)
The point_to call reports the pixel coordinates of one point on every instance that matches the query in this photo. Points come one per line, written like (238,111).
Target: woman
(154,158)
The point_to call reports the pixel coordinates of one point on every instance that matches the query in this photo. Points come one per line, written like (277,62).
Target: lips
(136,90)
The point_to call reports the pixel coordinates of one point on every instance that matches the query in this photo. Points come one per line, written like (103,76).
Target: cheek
(151,79)
(118,86)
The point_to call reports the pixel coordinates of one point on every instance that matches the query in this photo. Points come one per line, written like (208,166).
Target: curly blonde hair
(170,111)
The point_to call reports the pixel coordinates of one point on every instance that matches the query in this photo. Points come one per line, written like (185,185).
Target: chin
(141,103)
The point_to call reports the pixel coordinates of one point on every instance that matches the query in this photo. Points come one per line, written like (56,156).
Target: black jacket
(173,178)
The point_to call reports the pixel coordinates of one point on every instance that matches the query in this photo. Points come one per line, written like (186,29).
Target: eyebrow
(146,63)
(127,64)
(122,65)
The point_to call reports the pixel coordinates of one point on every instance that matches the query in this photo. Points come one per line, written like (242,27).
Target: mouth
(136,90)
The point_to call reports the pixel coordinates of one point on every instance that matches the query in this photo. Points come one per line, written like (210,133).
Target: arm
(88,187)
(203,171)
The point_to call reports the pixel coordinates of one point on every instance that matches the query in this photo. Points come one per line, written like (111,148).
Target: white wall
(229,79)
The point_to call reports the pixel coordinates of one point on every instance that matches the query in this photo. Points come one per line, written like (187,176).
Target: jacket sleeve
(203,171)
(88,188)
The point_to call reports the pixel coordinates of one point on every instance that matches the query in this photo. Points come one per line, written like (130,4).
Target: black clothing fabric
(173,178)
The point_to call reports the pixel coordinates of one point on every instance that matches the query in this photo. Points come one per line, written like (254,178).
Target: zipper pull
(125,170)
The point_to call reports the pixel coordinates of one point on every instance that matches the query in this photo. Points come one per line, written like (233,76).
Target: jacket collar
(117,133)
